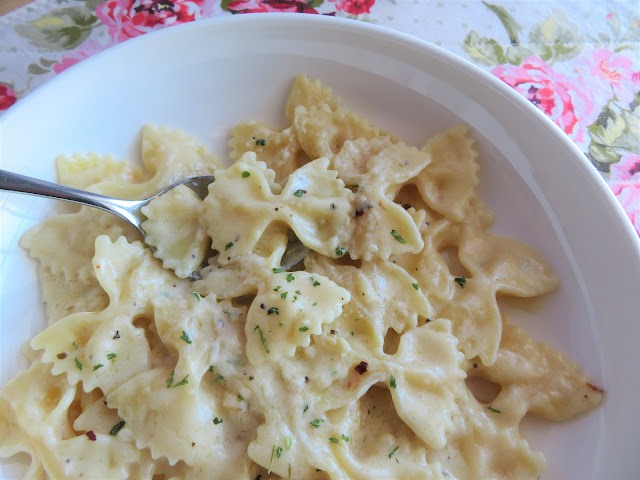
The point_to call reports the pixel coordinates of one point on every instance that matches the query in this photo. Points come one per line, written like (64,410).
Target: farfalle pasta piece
(280,150)
(291,308)
(425,374)
(167,156)
(380,168)
(82,171)
(322,131)
(183,422)
(449,181)
(73,232)
(534,378)
(174,226)
(376,287)
(484,445)
(240,206)
(35,413)
(308,92)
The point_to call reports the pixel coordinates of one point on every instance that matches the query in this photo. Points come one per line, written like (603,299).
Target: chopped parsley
(494,409)
(196,295)
(317,422)
(217,379)
(290,277)
(416,286)
(303,329)
(314,304)
(298,292)
(460,281)
(273,452)
(392,382)
(262,337)
(273,310)
(288,442)
(75,345)
(185,337)
(117,427)
(277,288)
(340,252)
(240,398)
(78,363)
(278,452)
(280,323)
(262,142)
(284,295)
(314,282)
(96,367)
(306,407)
(397,236)
(217,421)
(182,382)
(333,440)
(299,193)
(245,174)
(277,270)
(170,378)
(394,451)
(111,356)
(228,246)
(345,438)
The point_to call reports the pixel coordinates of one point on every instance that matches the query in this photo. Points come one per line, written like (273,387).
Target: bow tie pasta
(357,363)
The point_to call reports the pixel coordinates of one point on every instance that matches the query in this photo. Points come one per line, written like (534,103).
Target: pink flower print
(257,6)
(565,102)
(354,7)
(88,48)
(608,74)
(7,97)
(625,183)
(131,18)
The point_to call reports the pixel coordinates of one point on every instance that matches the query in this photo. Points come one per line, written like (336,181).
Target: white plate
(206,76)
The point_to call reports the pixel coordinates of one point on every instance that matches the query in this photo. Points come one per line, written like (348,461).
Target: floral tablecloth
(577,61)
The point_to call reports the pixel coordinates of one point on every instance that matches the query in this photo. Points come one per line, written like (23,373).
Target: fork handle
(13,182)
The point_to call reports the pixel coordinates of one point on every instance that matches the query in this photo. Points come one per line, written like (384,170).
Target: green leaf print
(483,50)
(60,30)
(556,38)
(512,27)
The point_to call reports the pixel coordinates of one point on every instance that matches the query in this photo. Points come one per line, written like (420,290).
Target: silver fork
(128,210)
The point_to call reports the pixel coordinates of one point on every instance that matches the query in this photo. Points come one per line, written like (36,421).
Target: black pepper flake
(306,379)
(262,306)
(427,320)
(91,436)
(117,335)
(333,332)
(362,209)
(475,365)
(362,367)
(332,206)
(406,206)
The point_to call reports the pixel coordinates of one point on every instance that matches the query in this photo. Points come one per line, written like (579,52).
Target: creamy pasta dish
(363,361)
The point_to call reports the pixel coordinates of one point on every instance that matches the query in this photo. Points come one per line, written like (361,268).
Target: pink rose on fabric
(560,98)
(7,97)
(131,18)
(67,62)
(257,6)
(354,7)
(608,74)
(625,183)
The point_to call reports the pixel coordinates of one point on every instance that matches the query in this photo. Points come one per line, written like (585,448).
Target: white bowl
(204,77)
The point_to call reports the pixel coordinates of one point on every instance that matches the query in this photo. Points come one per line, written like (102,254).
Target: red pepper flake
(91,436)
(97,266)
(595,388)
(193,444)
(362,368)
